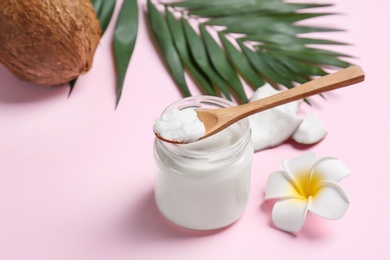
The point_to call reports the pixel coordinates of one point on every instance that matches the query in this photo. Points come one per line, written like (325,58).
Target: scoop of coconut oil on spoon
(217,119)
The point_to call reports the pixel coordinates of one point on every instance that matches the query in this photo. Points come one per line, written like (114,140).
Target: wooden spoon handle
(339,79)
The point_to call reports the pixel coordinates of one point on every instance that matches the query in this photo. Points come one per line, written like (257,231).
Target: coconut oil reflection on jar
(204,185)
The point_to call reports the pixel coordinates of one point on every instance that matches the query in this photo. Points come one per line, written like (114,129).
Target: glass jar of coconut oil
(204,185)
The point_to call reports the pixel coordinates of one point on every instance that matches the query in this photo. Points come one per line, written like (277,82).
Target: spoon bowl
(218,119)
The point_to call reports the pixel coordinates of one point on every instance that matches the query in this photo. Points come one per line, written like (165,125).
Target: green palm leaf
(240,62)
(262,26)
(206,3)
(256,20)
(283,39)
(262,66)
(104,10)
(164,38)
(270,46)
(199,52)
(222,64)
(179,40)
(240,7)
(125,35)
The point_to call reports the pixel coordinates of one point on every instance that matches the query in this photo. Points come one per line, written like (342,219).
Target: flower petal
(290,214)
(330,201)
(330,169)
(299,165)
(279,186)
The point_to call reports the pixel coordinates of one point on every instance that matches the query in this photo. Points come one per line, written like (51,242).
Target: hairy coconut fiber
(49,42)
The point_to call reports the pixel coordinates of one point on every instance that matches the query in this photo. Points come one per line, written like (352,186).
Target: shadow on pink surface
(14,90)
(145,223)
(314,227)
(301,147)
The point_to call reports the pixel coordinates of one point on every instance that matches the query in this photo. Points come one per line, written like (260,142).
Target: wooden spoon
(218,119)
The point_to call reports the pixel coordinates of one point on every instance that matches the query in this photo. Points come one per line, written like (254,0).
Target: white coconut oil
(181,126)
(204,185)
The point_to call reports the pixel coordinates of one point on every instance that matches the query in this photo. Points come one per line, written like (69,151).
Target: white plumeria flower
(307,184)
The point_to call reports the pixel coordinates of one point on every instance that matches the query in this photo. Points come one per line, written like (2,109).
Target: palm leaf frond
(199,52)
(221,41)
(180,43)
(164,38)
(124,38)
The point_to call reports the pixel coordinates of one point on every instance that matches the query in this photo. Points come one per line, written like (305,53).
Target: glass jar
(204,185)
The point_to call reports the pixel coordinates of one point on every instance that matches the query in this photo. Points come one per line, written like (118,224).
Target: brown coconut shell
(49,42)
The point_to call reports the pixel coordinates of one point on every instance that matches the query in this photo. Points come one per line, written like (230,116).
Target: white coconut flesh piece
(273,126)
(311,130)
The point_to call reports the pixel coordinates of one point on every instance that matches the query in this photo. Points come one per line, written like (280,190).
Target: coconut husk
(49,42)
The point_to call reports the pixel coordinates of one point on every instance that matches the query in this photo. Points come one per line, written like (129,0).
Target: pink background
(76,175)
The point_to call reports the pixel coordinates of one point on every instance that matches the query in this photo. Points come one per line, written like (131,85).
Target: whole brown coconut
(49,42)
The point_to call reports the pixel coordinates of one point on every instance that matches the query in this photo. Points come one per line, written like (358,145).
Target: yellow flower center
(306,186)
